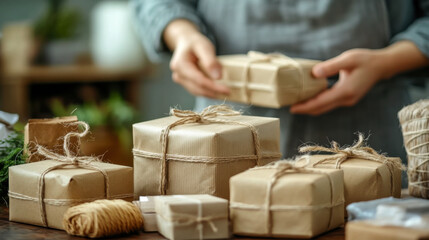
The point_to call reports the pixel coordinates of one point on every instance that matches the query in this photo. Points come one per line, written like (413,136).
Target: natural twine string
(414,121)
(209,115)
(258,57)
(358,150)
(282,168)
(102,218)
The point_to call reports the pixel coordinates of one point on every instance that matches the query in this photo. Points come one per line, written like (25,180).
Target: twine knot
(68,159)
(208,113)
(358,150)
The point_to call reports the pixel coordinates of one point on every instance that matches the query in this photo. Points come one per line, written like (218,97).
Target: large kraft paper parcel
(269,80)
(192,217)
(359,230)
(364,180)
(49,133)
(201,157)
(63,188)
(301,204)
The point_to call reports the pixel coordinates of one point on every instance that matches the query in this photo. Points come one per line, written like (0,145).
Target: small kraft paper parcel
(197,153)
(49,133)
(269,80)
(281,200)
(368,175)
(41,192)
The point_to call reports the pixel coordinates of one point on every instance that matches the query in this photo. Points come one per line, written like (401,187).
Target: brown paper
(269,83)
(177,216)
(66,184)
(303,205)
(49,133)
(147,208)
(364,180)
(201,157)
(358,230)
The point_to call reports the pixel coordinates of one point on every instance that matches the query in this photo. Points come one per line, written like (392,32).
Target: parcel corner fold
(201,157)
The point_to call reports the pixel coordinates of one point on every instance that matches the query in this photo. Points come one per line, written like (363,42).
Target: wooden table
(12,230)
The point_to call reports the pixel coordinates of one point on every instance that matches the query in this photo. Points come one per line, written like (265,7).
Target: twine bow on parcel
(64,160)
(278,58)
(182,219)
(209,115)
(358,150)
(282,168)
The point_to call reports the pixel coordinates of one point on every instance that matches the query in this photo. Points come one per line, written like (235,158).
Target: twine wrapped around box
(269,80)
(414,121)
(264,215)
(55,161)
(195,153)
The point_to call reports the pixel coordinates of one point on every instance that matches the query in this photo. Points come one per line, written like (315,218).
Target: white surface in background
(114,43)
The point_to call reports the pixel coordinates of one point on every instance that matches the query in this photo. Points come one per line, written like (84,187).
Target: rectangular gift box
(358,230)
(49,133)
(300,204)
(192,217)
(364,180)
(269,80)
(63,188)
(201,157)
(146,204)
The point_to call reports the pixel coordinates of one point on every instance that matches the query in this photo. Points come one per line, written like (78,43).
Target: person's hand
(194,64)
(358,69)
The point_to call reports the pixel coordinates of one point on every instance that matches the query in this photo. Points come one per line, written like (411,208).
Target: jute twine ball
(102,218)
(414,120)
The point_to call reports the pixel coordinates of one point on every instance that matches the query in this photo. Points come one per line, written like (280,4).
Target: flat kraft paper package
(269,80)
(191,153)
(63,188)
(50,134)
(41,192)
(358,230)
(146,204)
(192,217)
(301,202)
(367,174)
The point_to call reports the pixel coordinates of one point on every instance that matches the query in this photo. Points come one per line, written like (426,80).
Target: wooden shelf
(73,73)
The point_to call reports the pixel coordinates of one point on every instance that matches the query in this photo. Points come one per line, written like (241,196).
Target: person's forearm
(177,30)
(400,57)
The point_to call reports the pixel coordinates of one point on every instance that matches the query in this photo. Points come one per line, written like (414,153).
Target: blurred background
(83,58)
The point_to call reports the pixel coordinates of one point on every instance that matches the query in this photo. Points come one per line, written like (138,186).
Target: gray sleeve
(152,16)
(418,31)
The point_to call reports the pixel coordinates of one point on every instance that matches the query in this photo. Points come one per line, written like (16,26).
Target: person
(366,47)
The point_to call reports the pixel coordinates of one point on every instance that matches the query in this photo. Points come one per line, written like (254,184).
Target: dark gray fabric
(314,29)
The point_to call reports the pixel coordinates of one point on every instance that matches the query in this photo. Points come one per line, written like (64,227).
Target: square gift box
(192,217)
(280,200)
(197,153)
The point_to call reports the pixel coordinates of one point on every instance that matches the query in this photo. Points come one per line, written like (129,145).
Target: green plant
(113,112)
(11,153)
(57,22)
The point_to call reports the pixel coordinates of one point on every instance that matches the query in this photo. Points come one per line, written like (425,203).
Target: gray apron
(314,29)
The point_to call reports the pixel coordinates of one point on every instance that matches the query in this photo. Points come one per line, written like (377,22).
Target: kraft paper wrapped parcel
(41,192)
(367,174)
(192,217)
(281,200)
(197,153)
(269,80)
(49,133)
